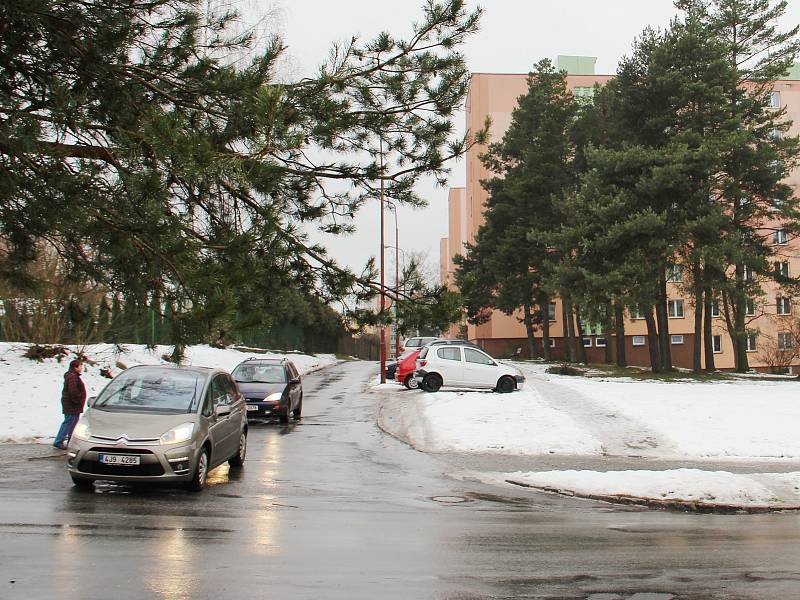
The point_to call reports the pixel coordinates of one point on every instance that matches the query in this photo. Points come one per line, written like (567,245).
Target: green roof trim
(794,72)
(576,65)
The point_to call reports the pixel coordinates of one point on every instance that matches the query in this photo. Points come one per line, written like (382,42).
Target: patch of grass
(344,357)
(641,373)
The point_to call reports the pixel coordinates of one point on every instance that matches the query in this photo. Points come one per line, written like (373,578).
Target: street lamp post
(383,289)
(393,208)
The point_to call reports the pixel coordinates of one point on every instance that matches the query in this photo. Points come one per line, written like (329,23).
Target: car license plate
(251,407)
(120,459)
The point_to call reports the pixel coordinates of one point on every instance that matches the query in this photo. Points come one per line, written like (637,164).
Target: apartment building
(771,317)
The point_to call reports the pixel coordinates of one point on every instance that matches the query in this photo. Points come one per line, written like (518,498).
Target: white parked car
(464,366)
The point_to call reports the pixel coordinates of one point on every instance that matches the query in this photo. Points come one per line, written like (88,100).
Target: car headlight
(276,397)
(181,433)
(81,430)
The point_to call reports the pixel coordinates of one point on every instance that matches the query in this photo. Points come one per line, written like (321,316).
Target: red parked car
(405,368)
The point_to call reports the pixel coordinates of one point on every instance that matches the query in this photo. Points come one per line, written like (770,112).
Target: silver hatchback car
(160,423)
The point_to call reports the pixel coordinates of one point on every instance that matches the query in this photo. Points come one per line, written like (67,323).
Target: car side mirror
(222,410)
(296,380)
(91,400)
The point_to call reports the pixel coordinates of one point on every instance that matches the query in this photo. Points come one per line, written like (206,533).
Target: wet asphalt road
(331,508)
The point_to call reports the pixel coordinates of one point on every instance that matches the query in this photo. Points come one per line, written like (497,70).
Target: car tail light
(422,363)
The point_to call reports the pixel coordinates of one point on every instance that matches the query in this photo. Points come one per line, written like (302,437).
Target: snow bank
(686,485)
(30,399)
(470,421)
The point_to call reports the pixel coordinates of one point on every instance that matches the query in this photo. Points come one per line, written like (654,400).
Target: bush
(40,352)
(564,370)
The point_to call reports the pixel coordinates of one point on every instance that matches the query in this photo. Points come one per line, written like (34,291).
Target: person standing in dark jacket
(73,397)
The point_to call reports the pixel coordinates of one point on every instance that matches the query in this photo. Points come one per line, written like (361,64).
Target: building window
(675,309)
(551,311)
(785,341)
(782,268)
(752,345)
(583,94)
(780,237)
(716,342)
(587,342)
(600,342)
(637,312)
(715,308)
(676,340)
(774,100)
(552,342)
(749,307)
(784,305)
(675,273)
(638,340)
(775,133)
(747,273)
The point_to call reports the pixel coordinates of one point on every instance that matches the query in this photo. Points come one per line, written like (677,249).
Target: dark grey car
(160,423)
(272,387)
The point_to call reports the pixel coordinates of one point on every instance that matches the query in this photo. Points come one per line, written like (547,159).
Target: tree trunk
(528,316)
(708,341)
(663,323)
(545,308)
(740,334)
(569,329)
(727,307)
(698,318)
(579,338)
(619,326)
(608,320)
(652,341)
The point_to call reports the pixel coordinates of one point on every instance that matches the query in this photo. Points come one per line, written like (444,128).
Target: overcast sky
(514,34)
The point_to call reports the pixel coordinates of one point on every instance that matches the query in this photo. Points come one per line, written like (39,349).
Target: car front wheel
(298,411)
(198,480)
(432,382)
(506,385)
(285,414)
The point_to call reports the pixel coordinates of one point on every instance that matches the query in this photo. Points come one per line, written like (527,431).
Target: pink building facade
(495,96)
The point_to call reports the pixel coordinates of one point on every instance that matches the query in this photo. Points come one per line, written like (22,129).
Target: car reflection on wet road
(332,508)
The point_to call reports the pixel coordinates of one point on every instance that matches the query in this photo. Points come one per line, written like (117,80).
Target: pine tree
(149,160)
(512,266)
(756,154)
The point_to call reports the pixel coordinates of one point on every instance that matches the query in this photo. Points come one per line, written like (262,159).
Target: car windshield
(255,373)
(153,389)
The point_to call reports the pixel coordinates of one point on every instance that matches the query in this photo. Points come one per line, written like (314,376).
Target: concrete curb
(663,504)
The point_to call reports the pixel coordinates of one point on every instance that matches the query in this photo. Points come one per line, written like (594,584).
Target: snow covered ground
(30,395)
(735,422)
